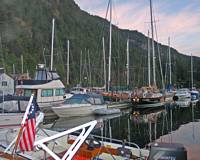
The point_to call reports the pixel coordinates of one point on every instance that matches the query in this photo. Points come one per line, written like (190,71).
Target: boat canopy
(44,74)
(85,99)
(13,98)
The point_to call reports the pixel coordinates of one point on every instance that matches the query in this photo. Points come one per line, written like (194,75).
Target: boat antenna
(127,64)
(170,63)
(52,41)
(192,72)
(44,56)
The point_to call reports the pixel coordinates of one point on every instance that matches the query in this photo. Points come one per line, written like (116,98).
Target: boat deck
(5,156)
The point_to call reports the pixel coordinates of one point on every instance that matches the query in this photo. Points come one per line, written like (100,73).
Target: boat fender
(92,143)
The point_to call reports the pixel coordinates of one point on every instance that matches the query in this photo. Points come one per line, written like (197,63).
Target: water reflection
(186,126)
(62,124)
(143,126)
(148,115)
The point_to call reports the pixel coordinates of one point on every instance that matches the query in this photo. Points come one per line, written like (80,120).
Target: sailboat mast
(52,41)
(22,63)
(89,68)
(153,49)
(159,57)
(13,69)
(191,71)
(81,61)
(149,61)
(104,62)
(67,62)
(110,48)
(170,65)
(127,65)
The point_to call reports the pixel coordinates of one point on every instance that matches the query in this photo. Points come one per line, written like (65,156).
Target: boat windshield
(85,99)
(98,101)
(95,100)
(75,100)
(182,91)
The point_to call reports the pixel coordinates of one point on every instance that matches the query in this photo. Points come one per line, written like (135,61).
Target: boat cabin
(93,99)
(46,86)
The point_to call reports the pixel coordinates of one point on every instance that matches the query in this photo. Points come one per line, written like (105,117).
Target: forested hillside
(25,29)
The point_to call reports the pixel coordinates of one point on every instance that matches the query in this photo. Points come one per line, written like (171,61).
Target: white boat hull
(184,103)
(10,119)
(76,110)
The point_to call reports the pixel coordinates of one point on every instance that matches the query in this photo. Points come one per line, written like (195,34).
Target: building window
(59,92)
(47,93)
(4,83)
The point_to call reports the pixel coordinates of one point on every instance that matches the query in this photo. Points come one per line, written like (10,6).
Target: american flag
(27,138)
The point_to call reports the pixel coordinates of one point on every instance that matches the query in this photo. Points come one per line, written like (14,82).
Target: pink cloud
(184,30)
(180,26)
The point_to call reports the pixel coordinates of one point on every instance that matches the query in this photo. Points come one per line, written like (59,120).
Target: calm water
(142,126)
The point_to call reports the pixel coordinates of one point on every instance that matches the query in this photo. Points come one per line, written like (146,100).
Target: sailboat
(110,95)
(185,96)
(194,92)
(169,92)
(148,96)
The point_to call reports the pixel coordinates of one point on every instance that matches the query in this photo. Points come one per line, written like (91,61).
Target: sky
(177,19)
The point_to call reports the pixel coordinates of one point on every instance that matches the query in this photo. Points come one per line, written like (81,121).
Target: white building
(6,83)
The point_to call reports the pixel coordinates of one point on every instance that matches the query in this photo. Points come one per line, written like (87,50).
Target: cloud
(184,29)
(91,5)
(179,20)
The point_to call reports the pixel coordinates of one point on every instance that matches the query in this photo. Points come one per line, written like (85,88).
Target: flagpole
(22,123)
(27,110)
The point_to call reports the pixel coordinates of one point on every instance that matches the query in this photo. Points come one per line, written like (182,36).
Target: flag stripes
(28,136)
